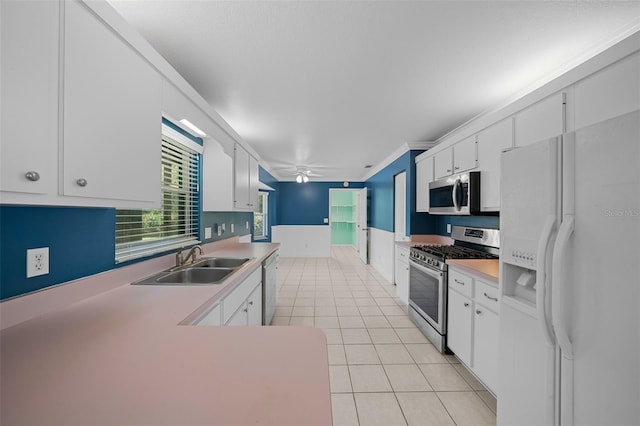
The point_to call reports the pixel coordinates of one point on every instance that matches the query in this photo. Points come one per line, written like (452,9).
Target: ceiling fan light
(305,178)
(299,178)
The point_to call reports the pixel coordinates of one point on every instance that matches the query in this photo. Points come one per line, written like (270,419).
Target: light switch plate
(207,233)
(448,228)
(233,228)
(246,225)
(37,262)
(326,220)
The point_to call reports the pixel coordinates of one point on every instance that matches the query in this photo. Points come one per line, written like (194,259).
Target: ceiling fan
(302,173)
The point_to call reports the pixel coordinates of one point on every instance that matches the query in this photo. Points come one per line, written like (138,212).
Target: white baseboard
(302,240)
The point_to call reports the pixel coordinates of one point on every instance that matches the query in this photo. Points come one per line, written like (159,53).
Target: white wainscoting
(382,255)
(302,240)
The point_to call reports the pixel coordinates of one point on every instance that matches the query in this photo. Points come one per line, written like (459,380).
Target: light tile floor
(382,370)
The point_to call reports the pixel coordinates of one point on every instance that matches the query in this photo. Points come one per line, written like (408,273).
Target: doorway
(348,219)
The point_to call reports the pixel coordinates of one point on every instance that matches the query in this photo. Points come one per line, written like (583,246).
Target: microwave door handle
(454,195)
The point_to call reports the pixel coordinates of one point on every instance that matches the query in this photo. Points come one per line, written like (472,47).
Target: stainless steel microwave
(455,195)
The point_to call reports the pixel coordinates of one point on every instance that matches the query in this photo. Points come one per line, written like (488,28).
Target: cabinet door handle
(448,170)
(251,303)
(478,311)
(495,299)
(244,310)
(466,304)
(82,182)
(32,176)
(456,168)
(458,282)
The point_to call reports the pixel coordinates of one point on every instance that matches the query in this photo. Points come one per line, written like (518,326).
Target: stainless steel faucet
(181,260)
(192,254)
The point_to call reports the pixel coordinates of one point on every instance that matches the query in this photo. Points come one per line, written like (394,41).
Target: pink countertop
(486,268)
(120,357)
(427,239)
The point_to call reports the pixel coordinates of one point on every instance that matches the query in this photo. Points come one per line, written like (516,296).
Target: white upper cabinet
(111,114)
(491,142)
(424,175)
(246,180)
(217,178)
(465,155)
(443,163)
(456,159)
(241,183)
(609,93)
(29,96)
(542,120)
(253,183)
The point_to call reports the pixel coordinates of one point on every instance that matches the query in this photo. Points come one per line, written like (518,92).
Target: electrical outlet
(223,228)
(37,262)
(219,228)
(448,228)
(325,220)
(207,233)
(246,225)
(233,228)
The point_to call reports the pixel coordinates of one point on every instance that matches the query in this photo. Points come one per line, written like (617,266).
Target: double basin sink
(208,270)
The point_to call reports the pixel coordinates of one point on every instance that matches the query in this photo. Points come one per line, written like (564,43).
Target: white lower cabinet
(243,306)
(485,348)
(473,325)
(402,274)
(459,326)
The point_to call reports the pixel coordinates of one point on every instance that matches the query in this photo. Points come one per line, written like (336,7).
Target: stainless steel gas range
(428,277)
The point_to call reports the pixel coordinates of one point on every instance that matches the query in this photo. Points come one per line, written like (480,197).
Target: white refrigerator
(570,279)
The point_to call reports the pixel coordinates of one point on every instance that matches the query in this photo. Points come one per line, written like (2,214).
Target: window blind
(141,233)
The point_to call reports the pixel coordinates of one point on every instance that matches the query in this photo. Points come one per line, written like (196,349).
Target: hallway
(383,371)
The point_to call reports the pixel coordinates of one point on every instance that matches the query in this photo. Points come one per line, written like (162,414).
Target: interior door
(362,228)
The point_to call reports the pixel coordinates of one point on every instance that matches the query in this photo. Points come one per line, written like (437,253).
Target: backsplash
(80,240)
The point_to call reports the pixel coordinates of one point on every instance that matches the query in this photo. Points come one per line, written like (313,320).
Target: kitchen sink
(219,262)
(195,276)
(206,271)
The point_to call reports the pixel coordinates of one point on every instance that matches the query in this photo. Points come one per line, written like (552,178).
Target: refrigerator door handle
(541,275)
(559,261)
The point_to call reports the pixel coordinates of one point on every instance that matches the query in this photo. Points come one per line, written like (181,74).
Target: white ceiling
(335,85)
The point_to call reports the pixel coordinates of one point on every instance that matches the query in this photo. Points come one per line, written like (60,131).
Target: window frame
(264,195)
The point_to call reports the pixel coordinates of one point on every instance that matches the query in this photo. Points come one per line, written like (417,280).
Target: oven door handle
(436,273)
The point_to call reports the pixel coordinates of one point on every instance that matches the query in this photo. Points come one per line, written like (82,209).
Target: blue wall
(381,188)
(306,203)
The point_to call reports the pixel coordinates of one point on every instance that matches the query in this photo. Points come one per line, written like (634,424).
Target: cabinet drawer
(460,282)
(233,301)
(487,295)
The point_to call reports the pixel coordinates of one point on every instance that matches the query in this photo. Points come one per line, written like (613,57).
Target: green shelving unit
(343,217)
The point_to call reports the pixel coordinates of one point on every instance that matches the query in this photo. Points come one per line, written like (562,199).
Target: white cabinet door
(239,317)
(443,163)
(241,172)
(542,120)
(254,303)
(491,142)
(424,175)
(29,96)
(464,155)
(253,183)
(217,178)
(486,328)
(112,114)
(459,325)
(609,93)
(402,281)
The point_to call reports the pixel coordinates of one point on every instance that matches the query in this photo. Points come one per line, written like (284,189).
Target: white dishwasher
(269,287)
